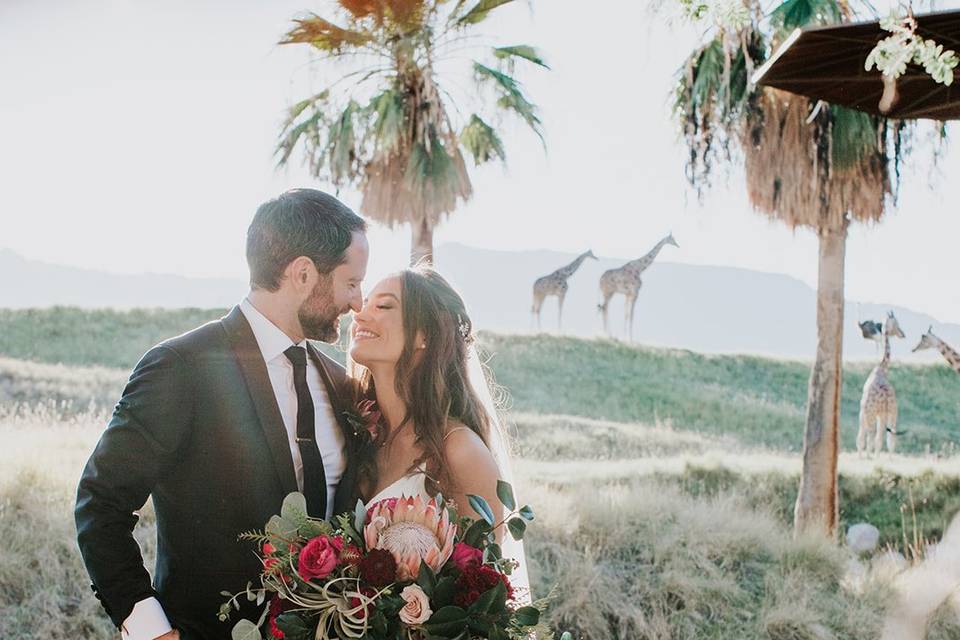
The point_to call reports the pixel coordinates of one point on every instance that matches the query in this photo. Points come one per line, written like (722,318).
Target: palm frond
(480,11)
(523,51)
(481,141)
(388,128)
(437,176)
(342,151)
(512,98)
(853,135)
(292,131)
(795,14)
(324,35)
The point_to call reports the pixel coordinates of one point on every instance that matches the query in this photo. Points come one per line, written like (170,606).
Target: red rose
(464,555)
(379,568)
(318,559)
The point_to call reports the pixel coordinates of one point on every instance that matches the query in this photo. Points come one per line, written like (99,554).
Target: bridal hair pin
(463,326)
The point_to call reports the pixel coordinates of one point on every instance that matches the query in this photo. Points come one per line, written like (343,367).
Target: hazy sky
(137,135)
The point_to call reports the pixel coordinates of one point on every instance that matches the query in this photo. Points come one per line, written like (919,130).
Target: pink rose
(464,555)
(417,610)
(318,559)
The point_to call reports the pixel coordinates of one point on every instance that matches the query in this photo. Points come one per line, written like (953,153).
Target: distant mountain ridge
(707,309)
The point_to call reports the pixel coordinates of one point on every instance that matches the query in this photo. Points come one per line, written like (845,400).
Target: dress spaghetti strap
(454,430)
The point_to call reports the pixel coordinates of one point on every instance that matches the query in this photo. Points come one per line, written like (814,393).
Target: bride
(412,352)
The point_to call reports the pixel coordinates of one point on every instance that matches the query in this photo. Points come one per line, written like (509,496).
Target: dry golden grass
(633,556)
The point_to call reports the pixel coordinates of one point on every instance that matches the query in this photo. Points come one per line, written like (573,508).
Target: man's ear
(301,271)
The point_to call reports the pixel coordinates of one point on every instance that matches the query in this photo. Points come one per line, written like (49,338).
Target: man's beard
(319,316)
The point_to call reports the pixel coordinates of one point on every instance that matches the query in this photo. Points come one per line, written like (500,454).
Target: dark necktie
(314,479)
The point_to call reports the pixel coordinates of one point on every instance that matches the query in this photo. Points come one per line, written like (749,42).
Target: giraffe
(930,341)
(555,284)
(878,404)
(626,280)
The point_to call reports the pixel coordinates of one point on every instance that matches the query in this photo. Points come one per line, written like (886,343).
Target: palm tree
(387,125)
(807,164)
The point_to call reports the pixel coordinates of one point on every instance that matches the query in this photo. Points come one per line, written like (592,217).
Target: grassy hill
(755,401)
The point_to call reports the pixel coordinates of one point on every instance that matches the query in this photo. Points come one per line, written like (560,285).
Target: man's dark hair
(300,222)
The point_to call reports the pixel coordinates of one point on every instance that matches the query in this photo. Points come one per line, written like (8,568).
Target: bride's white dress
(411,485)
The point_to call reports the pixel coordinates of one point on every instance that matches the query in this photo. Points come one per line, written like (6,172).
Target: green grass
(758,401)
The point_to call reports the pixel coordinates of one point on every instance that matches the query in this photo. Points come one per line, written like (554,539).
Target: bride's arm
(473,471)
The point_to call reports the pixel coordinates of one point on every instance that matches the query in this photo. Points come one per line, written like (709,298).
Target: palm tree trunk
(421,248)
(817,507)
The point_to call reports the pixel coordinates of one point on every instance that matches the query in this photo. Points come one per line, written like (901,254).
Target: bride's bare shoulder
(465,448)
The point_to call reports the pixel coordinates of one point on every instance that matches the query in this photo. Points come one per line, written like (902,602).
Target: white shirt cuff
(146,622)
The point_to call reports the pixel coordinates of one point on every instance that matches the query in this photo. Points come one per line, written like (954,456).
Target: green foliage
(713,98)
(479,12)
(246,630)
(511,96)
(505,494)
(478,504)
(341,148)
(390,121)
(853,135)
(481,141)
(796,14)
(433,169)
(522,51)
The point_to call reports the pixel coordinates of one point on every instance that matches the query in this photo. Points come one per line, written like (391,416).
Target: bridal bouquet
(406,568)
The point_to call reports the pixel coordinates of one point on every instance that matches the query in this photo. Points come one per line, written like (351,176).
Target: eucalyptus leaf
(294,506)
(245,630)
(359,515)
(517,527)
(505,493)
(526,512)
(479,504)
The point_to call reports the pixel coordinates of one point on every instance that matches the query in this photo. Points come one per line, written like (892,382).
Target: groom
(219,424)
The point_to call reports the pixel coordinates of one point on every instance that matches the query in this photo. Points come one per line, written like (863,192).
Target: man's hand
(173,634)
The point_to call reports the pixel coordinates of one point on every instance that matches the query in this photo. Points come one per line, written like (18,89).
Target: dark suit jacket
(198,428)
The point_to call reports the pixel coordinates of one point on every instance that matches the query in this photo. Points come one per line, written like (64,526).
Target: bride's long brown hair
(434,385)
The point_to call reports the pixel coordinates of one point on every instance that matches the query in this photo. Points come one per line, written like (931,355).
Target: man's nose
(356,301)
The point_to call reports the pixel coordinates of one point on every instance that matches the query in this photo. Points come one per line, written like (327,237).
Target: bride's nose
(360,314)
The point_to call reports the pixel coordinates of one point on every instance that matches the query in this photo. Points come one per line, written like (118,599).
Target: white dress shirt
(147,620)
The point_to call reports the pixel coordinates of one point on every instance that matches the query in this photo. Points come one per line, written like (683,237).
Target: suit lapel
(255,374)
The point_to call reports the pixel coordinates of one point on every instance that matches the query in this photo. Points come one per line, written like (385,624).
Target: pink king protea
(412,529)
